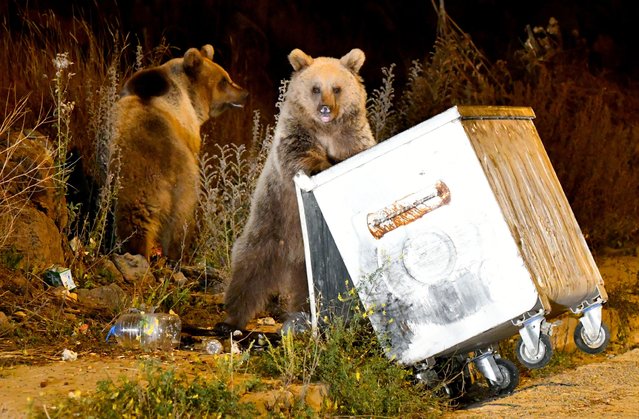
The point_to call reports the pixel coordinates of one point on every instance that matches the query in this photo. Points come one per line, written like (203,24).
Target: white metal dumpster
(455,234)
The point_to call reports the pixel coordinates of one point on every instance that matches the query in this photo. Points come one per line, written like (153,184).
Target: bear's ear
(353,60)
(207,51)
(192,61)
(299,59)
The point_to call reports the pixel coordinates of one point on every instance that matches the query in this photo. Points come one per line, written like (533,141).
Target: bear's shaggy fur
(322,121)
(156,144)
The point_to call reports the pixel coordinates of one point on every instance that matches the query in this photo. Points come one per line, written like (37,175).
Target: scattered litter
(235,348)
(212,346)
(266,321)
(296,323)
(149,331)
(68,355)
(57,276)
(75,394)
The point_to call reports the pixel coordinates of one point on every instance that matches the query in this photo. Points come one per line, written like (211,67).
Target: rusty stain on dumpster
(408,209)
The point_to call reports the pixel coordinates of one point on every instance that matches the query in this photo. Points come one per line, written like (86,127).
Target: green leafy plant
(10,257)
(348,359)
(157,393)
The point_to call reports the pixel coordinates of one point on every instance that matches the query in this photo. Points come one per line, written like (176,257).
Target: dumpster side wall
(536,209)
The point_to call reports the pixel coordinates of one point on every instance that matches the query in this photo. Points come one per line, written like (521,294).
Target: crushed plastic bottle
(296,323)
(212,346)
(148,331)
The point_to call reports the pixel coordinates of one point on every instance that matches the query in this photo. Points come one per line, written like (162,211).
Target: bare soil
(607,388)
(600,385)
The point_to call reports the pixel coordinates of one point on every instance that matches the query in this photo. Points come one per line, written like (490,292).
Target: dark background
(253,37)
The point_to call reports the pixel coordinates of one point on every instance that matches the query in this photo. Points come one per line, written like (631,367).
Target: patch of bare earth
(609,388)
(600,385)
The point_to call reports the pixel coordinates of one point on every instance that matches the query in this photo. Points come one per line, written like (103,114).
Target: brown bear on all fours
(322,121)
(156,145)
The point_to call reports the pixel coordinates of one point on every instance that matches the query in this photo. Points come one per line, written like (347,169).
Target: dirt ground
(607,387)
(600,385)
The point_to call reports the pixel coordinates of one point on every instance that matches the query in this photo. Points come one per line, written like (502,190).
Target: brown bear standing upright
(156,144)
(322,121)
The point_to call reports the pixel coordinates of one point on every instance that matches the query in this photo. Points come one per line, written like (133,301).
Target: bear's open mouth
(325,118)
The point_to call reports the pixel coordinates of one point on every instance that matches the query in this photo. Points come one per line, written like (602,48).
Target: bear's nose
(325,110)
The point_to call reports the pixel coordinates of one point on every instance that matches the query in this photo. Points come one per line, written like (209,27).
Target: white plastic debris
(235,348)
(69,355)
(212,346)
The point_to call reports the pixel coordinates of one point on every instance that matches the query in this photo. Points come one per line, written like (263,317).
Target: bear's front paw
(224,329)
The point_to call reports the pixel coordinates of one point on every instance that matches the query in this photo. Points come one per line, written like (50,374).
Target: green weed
(10,257)
(156,393)
(349,360)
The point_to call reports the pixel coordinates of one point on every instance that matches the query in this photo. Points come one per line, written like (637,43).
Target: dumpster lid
(495,112)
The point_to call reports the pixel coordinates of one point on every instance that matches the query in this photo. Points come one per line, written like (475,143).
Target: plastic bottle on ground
(148,331)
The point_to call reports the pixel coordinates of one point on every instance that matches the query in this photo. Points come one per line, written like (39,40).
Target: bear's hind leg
(254,280)
(141,242)
(298,288)
(138,232)
(175,239)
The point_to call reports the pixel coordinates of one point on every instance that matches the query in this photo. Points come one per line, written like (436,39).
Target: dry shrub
(591,138)
(20,178)
(456,73)
(42,37)
(228,178)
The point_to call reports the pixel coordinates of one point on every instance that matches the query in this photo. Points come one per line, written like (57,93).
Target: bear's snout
(241,97)
(325,113)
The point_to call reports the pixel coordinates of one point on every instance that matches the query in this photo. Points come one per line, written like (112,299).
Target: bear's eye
(222,84)
(316,90)
(337,90)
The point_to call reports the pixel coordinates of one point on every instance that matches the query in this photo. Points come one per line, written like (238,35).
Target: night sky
(254,36)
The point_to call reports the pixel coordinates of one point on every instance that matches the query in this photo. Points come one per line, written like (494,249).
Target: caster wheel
(592,346)
(510,379)
(543,354)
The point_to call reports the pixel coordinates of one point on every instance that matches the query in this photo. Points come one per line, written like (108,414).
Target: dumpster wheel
(510,375)
(591,346)
(543,356)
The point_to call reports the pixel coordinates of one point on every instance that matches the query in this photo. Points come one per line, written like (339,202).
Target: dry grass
(21,177)
(33,68)
(455,73)
(592,143)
